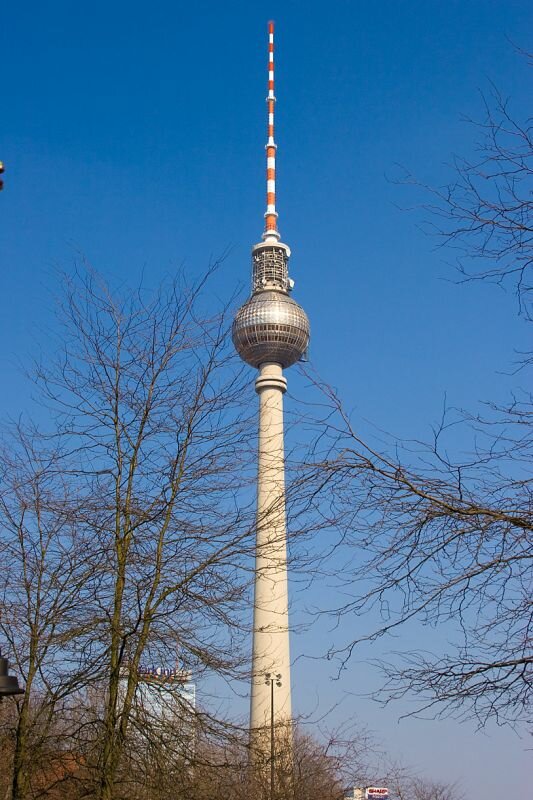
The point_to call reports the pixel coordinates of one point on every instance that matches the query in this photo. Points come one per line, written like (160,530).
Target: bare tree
(444,538)
(133,540)
(144,394)
(430,790)
(44,577)
(485,212)
(325,762)
(314,765)
(405,785)
(443,541)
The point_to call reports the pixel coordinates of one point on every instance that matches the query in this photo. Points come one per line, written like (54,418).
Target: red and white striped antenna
(271,226)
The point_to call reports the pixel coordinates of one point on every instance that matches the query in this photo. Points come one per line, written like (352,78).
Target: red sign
(377,791)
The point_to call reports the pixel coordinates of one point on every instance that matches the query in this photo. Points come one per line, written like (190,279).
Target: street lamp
(272,679)
(8,683)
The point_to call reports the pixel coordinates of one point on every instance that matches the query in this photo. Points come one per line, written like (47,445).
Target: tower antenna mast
(271,216)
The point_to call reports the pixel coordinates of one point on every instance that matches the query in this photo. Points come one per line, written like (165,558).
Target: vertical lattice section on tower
(270,269)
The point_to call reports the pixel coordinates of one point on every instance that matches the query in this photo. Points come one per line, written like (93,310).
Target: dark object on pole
(8,683)
(1,171)
(271,679)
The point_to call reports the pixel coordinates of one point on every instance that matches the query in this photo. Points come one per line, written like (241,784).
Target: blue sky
(134,135)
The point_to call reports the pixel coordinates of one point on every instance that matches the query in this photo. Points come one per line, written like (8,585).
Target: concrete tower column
(271,653)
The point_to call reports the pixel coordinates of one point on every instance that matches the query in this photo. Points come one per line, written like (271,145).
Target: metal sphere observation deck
(271,327)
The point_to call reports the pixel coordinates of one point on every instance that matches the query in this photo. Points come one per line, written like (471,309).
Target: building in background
(164,692)
(163,711)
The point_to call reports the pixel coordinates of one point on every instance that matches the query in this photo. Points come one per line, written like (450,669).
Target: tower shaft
(271,652)
(271,332)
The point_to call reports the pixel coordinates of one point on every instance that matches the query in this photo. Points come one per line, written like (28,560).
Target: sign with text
(158,672)
(376,793)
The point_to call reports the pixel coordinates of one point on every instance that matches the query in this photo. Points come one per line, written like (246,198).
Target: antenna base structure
(271,327)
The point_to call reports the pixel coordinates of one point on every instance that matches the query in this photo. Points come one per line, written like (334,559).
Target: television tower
(270,332)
